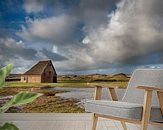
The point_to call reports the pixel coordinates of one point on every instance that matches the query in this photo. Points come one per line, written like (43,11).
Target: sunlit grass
(66,84)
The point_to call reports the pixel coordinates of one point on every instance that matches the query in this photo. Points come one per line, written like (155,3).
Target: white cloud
(33,6)
(10,50)
(133,30)
(78,59)
(55,49)
(86,40)
(58,29)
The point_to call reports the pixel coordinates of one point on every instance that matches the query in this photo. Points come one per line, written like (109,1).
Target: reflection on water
(85,93)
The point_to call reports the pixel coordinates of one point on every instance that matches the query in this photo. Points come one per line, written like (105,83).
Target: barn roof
(38,68)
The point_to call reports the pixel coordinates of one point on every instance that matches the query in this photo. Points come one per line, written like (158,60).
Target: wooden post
(113,94)
(124,125)
(160,98)
(94,123)
(97,96)
(146,109)
(114,97)
(98,90)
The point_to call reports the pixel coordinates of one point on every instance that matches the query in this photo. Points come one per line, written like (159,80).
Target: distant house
(42,72)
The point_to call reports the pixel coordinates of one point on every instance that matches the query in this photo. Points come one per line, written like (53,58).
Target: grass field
(52,103)
(49,102)
(65,84)
(76,81)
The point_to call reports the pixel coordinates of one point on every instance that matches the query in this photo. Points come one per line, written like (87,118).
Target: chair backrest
(143,77)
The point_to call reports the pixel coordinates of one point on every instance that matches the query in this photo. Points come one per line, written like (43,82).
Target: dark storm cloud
(113,35)
(133,31)
(12,49)
(53,56)
(71,24)
(95,33)
(94,12)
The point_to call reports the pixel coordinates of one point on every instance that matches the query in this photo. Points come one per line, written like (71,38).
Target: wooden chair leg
(124,125)
(160,98)
(94,123)
(146,110)
(115,98)
(113,94)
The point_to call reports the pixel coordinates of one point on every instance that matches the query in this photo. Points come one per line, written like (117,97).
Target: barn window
(24,78)
(49,72)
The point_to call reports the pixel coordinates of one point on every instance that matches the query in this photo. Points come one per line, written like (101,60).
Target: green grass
(78,81)
(65,84)
(52,103)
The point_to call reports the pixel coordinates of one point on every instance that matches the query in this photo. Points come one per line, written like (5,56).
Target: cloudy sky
(82,36)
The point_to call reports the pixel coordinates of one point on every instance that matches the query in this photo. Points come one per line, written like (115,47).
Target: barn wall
(23,79)
(34,79)
(31,78)
(48,75)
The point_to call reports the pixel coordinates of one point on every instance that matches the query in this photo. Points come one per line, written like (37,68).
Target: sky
(82,36)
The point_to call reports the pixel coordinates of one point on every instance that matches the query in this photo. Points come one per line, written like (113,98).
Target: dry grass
(46,104)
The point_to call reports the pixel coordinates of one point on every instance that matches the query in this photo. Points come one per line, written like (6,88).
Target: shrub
(19,99)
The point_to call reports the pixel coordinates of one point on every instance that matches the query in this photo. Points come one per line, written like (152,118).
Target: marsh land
(66,95)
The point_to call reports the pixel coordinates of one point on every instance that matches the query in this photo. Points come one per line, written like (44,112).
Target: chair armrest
(111,89)
(147,106)
(113,94)
(148,101)
(98,92)
(104,85)
(149,88)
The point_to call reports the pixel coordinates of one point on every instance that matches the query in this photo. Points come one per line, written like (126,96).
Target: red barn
(42,72)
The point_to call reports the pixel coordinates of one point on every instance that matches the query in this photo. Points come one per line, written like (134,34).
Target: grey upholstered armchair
(142,103)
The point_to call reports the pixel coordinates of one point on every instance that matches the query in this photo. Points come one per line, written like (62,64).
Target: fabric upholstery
(131,105)
(143,77)
(121,109)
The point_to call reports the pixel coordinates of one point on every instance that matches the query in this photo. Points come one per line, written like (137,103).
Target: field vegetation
(120,80)
(49,102)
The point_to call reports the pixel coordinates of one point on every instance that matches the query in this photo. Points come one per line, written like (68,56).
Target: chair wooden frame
(146,107)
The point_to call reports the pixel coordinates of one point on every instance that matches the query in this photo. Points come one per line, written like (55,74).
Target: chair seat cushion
(125,110)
